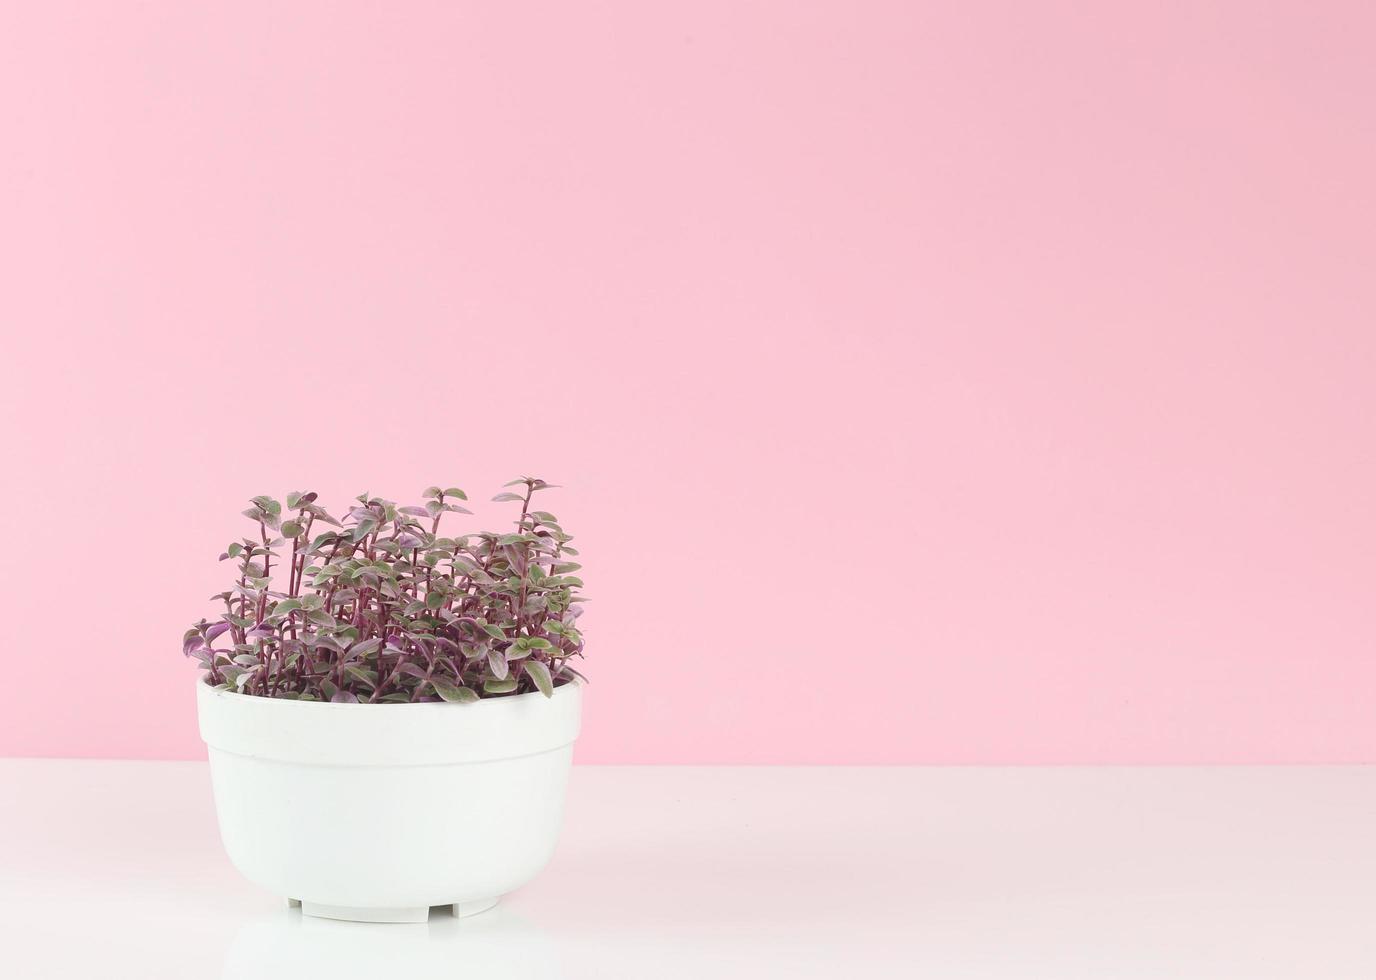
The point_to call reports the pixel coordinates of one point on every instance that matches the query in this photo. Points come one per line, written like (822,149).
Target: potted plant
(389,710)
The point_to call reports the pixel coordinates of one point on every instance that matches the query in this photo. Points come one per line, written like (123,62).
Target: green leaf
(362,674)
(431,492)
(451,692)
(455,492)
(500,687)
(507,496)
(286,606)
(433,600)
(494,631)
(539,673)
(291,529)
(268,505)
(496,662)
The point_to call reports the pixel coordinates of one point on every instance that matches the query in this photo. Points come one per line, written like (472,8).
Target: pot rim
(441,732)
(256,699)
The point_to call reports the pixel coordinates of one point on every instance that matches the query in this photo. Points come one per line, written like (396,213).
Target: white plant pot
(375,812)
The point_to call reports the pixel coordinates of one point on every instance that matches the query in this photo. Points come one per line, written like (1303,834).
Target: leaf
(451,692)
(507,496)
(342,696)
(496,662)
(214,630)
(433,600)
(286,606)
(323,516)
(539,673)
(365,647)
(362,674)
(455,492)
(268,505)
(431,492)
(494,631)
(291,529)
(500,687)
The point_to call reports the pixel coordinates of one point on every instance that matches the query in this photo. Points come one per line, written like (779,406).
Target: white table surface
(114,869)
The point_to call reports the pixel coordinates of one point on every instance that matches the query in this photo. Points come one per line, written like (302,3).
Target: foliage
(379,607)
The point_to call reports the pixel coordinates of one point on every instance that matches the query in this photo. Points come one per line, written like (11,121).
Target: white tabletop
(114,869)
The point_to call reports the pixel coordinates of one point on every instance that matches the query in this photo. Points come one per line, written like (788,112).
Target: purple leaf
(214,630)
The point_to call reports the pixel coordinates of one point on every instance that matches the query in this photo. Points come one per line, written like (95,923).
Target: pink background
(931,383)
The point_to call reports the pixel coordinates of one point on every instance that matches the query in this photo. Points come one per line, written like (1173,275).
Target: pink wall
(932,383)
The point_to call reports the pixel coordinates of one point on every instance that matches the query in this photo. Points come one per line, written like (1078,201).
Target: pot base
(350,914)
(464,909)
(419,913)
